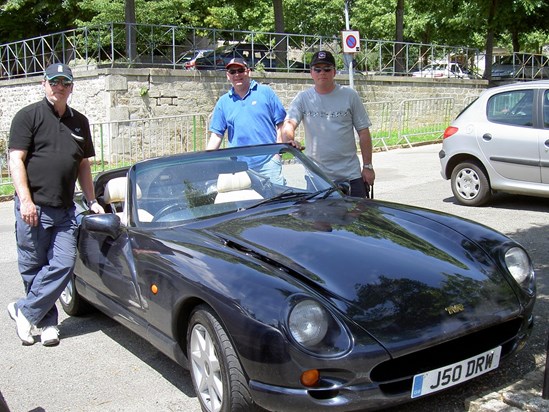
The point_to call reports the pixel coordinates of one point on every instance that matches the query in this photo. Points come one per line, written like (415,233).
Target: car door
(510,140)
(544,140)
(106,265)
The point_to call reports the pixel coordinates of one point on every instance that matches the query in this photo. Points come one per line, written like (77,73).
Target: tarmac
(523,395)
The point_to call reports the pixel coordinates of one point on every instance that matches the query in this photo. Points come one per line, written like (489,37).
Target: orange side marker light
(310,377)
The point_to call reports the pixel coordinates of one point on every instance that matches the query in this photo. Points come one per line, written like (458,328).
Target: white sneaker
(50,336)
(22,325)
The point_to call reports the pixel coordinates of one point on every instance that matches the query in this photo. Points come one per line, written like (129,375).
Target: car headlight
(519,265)
(315,329)
(308,323)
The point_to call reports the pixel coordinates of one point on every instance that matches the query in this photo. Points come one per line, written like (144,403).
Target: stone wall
(107,94)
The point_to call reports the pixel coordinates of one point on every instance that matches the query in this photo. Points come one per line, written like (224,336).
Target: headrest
(228,182)
(115,190)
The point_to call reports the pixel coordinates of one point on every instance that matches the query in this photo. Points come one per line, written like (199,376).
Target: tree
(23,19)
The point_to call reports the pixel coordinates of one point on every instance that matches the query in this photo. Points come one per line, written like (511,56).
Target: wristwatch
(368,166)
(92,202)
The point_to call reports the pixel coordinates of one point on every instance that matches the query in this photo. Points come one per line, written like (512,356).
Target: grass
(415,136)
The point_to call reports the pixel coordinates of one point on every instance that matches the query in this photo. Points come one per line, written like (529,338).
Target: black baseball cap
(237,61)
(58,70)
(323,57)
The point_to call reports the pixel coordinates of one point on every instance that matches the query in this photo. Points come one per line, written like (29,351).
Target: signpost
(351,44)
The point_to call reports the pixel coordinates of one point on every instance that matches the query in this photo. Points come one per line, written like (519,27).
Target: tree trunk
(399,39)
(280,47)
(490,40)
(130,30)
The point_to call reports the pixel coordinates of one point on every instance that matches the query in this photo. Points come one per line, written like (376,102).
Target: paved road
(100,366)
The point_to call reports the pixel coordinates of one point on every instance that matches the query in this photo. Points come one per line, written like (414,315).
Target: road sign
(351,41)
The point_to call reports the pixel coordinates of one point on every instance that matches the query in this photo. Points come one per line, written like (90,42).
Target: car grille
(396,375)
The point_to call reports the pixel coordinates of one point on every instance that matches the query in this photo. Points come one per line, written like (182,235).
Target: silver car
(499,143)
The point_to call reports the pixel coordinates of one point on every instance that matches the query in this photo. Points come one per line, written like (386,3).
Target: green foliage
(518,24)
(318,17)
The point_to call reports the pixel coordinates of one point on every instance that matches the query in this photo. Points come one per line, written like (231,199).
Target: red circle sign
(351,41)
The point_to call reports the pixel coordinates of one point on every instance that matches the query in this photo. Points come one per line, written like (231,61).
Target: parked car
(504,68)
(294,294)
(189,59)
(253,54)
(442,70)
(499,143)
(522,66)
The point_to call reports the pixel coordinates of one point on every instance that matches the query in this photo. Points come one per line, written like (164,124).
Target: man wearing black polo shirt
(50,144)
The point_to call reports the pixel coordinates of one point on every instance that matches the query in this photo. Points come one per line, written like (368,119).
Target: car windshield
(191,186)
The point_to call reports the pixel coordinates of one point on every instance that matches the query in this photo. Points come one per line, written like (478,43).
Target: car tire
(217,375)
(470,184)
(72,303)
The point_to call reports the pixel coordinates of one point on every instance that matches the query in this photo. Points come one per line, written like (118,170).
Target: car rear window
(512,107)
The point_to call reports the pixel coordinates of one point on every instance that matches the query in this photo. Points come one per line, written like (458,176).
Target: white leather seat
(115,197)
(232,187)
(115,194)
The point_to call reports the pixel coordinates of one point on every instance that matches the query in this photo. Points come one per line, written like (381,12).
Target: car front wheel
(72,303)
(216,373)
(470,184)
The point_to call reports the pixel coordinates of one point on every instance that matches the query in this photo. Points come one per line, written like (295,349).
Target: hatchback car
(499,143)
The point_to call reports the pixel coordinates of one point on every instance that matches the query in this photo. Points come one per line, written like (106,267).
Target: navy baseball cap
(58,70)
(323,57)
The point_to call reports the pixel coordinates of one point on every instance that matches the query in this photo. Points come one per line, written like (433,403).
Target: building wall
(106,94)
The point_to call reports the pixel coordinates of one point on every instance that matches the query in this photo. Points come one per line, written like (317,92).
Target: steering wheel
(166,210)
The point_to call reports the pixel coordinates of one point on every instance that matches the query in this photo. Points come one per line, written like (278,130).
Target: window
(513,108)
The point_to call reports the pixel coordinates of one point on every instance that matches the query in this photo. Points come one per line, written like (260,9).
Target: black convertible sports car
(277,291)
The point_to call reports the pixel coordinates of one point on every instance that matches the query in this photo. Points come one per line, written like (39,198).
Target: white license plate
(458,372)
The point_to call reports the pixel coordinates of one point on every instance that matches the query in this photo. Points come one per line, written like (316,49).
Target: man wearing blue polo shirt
(250,113)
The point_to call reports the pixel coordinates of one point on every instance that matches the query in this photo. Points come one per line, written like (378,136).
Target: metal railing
(122,143)
(423,117)
(171,46)
(521,66)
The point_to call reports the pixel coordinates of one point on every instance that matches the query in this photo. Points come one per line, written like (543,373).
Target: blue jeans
(46,256)
(271,169)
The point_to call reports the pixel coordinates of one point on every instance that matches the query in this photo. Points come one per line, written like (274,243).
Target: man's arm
(365,142)
(215,142)
(288,133)
(86,183)
(21,184)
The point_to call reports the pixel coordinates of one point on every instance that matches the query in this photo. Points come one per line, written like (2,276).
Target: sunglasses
(323,69)
(234,71)
(55,82)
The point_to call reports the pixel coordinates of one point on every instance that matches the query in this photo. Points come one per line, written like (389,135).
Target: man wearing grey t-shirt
(330,114)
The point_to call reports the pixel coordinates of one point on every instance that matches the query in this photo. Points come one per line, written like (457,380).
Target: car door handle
(487,137)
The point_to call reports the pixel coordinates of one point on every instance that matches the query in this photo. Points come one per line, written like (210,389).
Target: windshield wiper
(324,193)
(282,196)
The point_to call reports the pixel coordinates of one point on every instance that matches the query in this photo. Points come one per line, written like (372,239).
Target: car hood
(403,274)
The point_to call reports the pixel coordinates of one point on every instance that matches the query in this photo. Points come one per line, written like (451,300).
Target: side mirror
(107,224)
